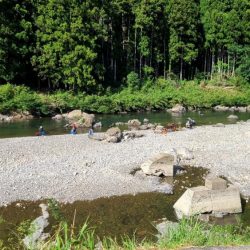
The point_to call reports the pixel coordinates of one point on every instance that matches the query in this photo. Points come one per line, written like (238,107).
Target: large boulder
(161,164)
(82,119)
(135,123)
(178,108)
(57,117)
(74,115)
(220,108)
(4,118)
(242,109)
(21,116)
(215,197)
(113,135)
(248,108)
(87,120)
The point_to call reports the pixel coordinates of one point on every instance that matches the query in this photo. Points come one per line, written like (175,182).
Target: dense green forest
(92,45)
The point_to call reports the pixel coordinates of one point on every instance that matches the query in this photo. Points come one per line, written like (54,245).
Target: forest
(123,54)
(95,44)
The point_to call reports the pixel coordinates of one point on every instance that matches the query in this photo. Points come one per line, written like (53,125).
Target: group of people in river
(173,127)
(73,131)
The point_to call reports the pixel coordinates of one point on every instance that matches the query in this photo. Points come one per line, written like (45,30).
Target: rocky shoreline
(178,108)
(70,168)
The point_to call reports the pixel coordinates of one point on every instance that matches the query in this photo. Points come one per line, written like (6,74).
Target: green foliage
(19,99)
(156,94)
(192,232)
(66,238)
(90,45)
(133,81)
(54,210)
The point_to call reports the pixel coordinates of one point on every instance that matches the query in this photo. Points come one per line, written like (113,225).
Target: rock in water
(233,117)
(74,115)
(57,117)
(135,123)
(89,119)
(37,227)
(214,197)
(178,108)
(220,108)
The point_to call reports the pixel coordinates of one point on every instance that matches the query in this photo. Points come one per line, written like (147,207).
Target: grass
(190,232)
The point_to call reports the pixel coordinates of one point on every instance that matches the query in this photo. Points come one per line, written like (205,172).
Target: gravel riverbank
(70,168)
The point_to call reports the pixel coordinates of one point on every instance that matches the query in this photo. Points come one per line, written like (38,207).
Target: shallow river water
(114,216)
(29,128)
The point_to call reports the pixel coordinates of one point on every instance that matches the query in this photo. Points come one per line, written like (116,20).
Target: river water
(52,127)
(114,216)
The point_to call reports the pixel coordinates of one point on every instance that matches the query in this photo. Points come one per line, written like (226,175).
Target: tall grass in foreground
(190,232)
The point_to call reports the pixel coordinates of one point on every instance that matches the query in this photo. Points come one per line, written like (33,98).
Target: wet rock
(220,108)
(74,115)
(119,124)
(97,125)
(145,121)
(178,108)
(87,120)
(165,227)
(4,118)
(135,123)
(57,117)
(232,117)
(242,109)
(37,227)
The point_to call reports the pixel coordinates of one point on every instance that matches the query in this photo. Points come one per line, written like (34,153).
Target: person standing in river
(41,131)
(73,130)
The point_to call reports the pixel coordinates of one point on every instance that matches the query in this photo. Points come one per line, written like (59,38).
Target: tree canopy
(92,44)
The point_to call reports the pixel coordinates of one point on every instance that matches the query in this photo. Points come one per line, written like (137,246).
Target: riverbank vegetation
(158,94)
(189,232)
(93,46)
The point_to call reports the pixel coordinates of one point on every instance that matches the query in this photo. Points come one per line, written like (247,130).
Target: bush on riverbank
(159,95)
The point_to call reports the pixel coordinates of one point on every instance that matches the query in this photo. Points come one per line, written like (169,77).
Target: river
(52,127)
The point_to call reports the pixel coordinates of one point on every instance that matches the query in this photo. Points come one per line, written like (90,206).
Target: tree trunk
(181,66)
(164,55)
(135,48)
(115,76)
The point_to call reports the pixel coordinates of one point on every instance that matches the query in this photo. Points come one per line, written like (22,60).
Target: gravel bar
(70,168)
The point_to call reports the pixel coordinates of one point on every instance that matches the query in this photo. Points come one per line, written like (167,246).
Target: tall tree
(184,36)
(65,47)
(16,40)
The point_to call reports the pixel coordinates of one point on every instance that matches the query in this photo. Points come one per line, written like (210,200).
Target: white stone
(201,199)
(161,164)
(216,183)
